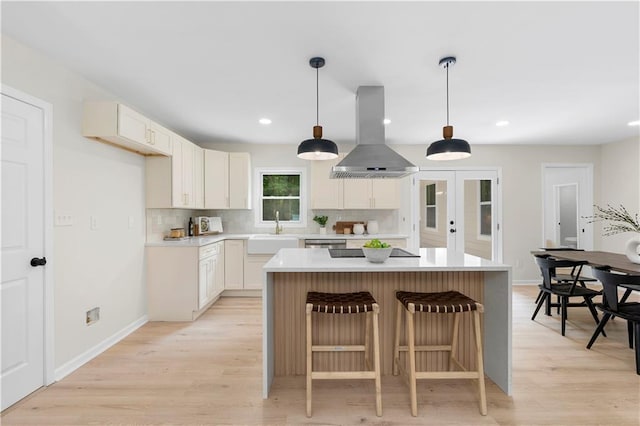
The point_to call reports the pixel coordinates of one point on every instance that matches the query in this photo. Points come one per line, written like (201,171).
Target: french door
(459,210)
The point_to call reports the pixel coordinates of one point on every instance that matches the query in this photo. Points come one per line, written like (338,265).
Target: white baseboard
(77,362)
(526,282)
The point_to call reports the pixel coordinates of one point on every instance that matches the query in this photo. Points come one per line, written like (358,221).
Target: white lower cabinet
(209,285)
(243,271)
(234,264)
(182,282)
(253,275)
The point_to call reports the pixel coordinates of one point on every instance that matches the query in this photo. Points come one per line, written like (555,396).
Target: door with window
(458,209)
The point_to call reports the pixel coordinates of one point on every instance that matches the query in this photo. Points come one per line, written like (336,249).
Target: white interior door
(23,226)
(458,209)
(557,183)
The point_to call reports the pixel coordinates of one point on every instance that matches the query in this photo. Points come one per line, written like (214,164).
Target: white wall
(620,185)
(102,267)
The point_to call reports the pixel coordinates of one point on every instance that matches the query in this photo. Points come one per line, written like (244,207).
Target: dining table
(616,261)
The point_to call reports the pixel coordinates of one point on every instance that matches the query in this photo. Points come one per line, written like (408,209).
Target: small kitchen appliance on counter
(209,225)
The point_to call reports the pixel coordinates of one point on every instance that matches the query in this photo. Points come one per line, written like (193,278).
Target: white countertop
(203,240)
(431,259)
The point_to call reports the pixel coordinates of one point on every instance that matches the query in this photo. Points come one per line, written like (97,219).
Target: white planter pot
(632,249)
(323,230)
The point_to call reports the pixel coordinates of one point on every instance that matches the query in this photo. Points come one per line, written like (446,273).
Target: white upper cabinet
(326,193)
(176,182)
(122,126)
(371,194)
(227,182)
(216,179)
(239,180)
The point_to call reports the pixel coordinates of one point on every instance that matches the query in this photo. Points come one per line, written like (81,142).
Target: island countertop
(431,259)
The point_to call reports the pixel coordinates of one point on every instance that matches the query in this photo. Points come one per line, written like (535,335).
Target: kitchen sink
(270,243)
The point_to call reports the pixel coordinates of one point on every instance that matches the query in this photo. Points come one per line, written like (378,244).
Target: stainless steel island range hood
(371,158)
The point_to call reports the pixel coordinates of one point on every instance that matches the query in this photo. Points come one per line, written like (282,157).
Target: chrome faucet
(278,226)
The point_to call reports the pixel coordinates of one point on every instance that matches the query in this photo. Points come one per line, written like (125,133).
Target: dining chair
(565,276)
(612,306)
(565,290)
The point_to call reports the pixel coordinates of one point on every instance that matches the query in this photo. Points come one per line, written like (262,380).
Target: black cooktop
(357,252)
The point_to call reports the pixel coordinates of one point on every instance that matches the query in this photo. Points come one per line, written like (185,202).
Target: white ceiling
(560,73)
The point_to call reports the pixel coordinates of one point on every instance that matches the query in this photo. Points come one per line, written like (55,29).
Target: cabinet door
(357,193)
(160,138)
(198,177)
(219,270)
(211,277)
(326,193)
(253,275)
(203,279)
(216,179)
(385,193)
(233,264)
(132,125)
(177,167)
(239,180)
(187,173)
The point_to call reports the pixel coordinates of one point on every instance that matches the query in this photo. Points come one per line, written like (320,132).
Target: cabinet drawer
(209,250)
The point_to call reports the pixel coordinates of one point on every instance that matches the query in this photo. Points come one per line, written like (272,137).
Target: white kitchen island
(292,272)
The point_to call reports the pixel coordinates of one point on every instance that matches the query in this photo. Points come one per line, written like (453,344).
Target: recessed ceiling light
(386,121)
(634,123)
(264,121)
(502,123)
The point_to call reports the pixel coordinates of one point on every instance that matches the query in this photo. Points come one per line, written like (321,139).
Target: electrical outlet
(63,218)
(95,223)
(131,222)
(92,316)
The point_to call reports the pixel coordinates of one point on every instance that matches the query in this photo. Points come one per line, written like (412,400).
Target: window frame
(258,197)
(481,236)
(434,206)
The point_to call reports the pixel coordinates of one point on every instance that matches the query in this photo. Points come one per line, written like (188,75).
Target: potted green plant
(619,221)
(322,221)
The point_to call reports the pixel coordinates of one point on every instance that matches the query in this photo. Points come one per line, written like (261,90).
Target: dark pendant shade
(449,149)
(317,149)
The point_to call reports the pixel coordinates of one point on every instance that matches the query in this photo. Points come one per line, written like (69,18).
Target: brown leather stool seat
(361,302)
(446,302)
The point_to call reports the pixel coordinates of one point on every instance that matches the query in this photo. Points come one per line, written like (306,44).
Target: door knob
(38,261)
(452,230)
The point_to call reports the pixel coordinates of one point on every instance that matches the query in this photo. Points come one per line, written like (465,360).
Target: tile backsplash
(160,221)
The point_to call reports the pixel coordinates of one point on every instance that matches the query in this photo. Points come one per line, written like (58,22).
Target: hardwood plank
(210,372)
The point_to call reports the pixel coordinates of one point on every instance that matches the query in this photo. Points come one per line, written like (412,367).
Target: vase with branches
(618,220)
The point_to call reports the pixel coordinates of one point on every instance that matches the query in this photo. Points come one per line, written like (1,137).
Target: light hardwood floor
(210,372)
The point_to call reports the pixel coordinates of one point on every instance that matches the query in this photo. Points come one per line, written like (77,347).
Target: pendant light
(448,148)
(317,148)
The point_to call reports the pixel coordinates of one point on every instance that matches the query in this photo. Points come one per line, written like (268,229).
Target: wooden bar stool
(345,303)
(437,303)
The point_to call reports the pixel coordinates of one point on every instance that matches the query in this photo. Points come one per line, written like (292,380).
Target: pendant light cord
(317,99)
(447,94)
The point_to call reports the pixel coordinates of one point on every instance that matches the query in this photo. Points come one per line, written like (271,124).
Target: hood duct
(371,158)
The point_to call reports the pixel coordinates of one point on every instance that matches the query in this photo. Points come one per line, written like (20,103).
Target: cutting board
(339,226)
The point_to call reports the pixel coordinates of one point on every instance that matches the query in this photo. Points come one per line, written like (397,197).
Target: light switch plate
(94,223)
(131,222)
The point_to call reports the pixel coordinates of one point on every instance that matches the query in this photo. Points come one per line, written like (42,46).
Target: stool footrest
(337,348)
(427,348)
(343,375)
(447,375)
